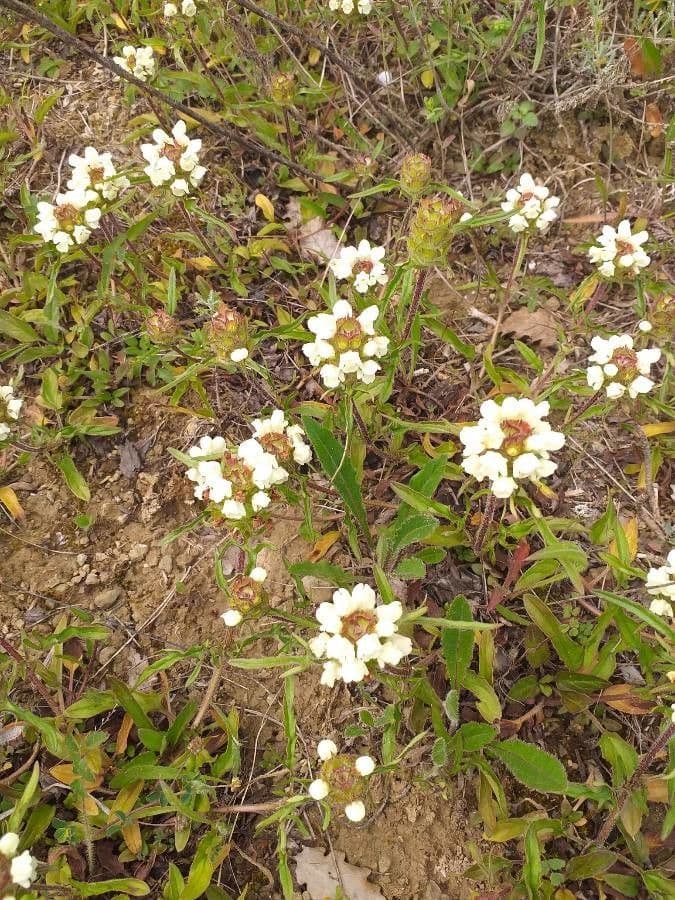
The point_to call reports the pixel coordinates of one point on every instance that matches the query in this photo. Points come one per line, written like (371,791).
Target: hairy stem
(415,302)
(519,255)
(488,517)
(650,487)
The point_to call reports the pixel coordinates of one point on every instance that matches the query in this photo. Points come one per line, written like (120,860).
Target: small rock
(138,551)
(166,564)
(81,559)
(106,599)
(317,589)
(153,557)
(92,578)
(384,863)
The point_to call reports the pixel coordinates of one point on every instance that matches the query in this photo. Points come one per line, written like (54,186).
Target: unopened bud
(162,328)
(431,231)
(282,88)
(227,331)
(415,174)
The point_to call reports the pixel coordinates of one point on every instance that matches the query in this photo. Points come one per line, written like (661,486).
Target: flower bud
(244,595)
(282,88)
(415,174)
(227,331)
(431,231)
(662,316)
(162,328)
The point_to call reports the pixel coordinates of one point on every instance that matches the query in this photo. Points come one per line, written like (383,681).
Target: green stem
(506,295)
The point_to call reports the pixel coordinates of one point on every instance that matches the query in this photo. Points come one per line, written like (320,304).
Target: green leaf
(641,612)
(50,395)
(131,886)
(324,570)
(143,772)
(90,704)
(339,469)
(413,529)
(439,752)
(411,569)
(208,857)
(38,822)
(125,697)
(659,886)
(568,651)
(488,702)
(590,865)
(476,735)
(76,483)
(532,868)
(420,502)
(535,768)
(24,801)
(457,645)
(15,328)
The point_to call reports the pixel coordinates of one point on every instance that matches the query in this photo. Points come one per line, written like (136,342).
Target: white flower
(619,251)
(286,441)
(139,61)
(96,171)
(531,204)
(326,749)
(234,509)
(9,844)
(661,585)
(347,6)
(363,264)
(511,442)
(318,789)
(231,617)
(70,219)
(619,368)
(355,811)
(170,10)
(258,574)
(239,354)
(264,466)
(355,631)
(10,408)
(365,765)
(174,160)
(672,718)
(385,78)
(188,8)
(347,340)
(644,326)
(260,500)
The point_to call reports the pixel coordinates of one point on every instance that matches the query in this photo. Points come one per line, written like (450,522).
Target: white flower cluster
(76,213)
(531,205)
(10,407)
(342,779)
(138,61)
(619,368)
(70,219)
(233,616)
(347,6)
(511,442)
(348,339)
(96,172)
(238,482)
(22,868)
(363,264)
(356,631)
(282,439)
(661,585)
(619,251)
(188,8)
(174,160)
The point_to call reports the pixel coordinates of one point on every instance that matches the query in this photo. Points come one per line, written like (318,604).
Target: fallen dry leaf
(324,876)
(538,326)
(624,698)
(635,56)
(654,120)
(315,238)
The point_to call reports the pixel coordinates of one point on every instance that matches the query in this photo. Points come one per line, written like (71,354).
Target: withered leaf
(537,327)
(326,876)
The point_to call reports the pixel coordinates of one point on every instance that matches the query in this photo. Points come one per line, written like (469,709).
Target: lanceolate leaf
(339,469)
(535,768)
(457,645)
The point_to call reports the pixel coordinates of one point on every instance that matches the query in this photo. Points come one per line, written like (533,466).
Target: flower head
(285,441)
(355,630)
(531,205)
(619,252)
(342,779)
(96,171)
(415,173)
(70,219)
(235,482)
(244,592)
(510,443)
(619,368)
(138,61)
(173,160)
(10,407)
(162,329)
(15,870)
(431,230)
(363,264)
(661,585)
(226,334)
(347,6)
(349,341)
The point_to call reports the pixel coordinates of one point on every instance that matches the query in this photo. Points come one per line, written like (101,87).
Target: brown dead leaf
(324,876)
(654,120)
(625,698)
(636,59)
(537,327)
(323,545)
